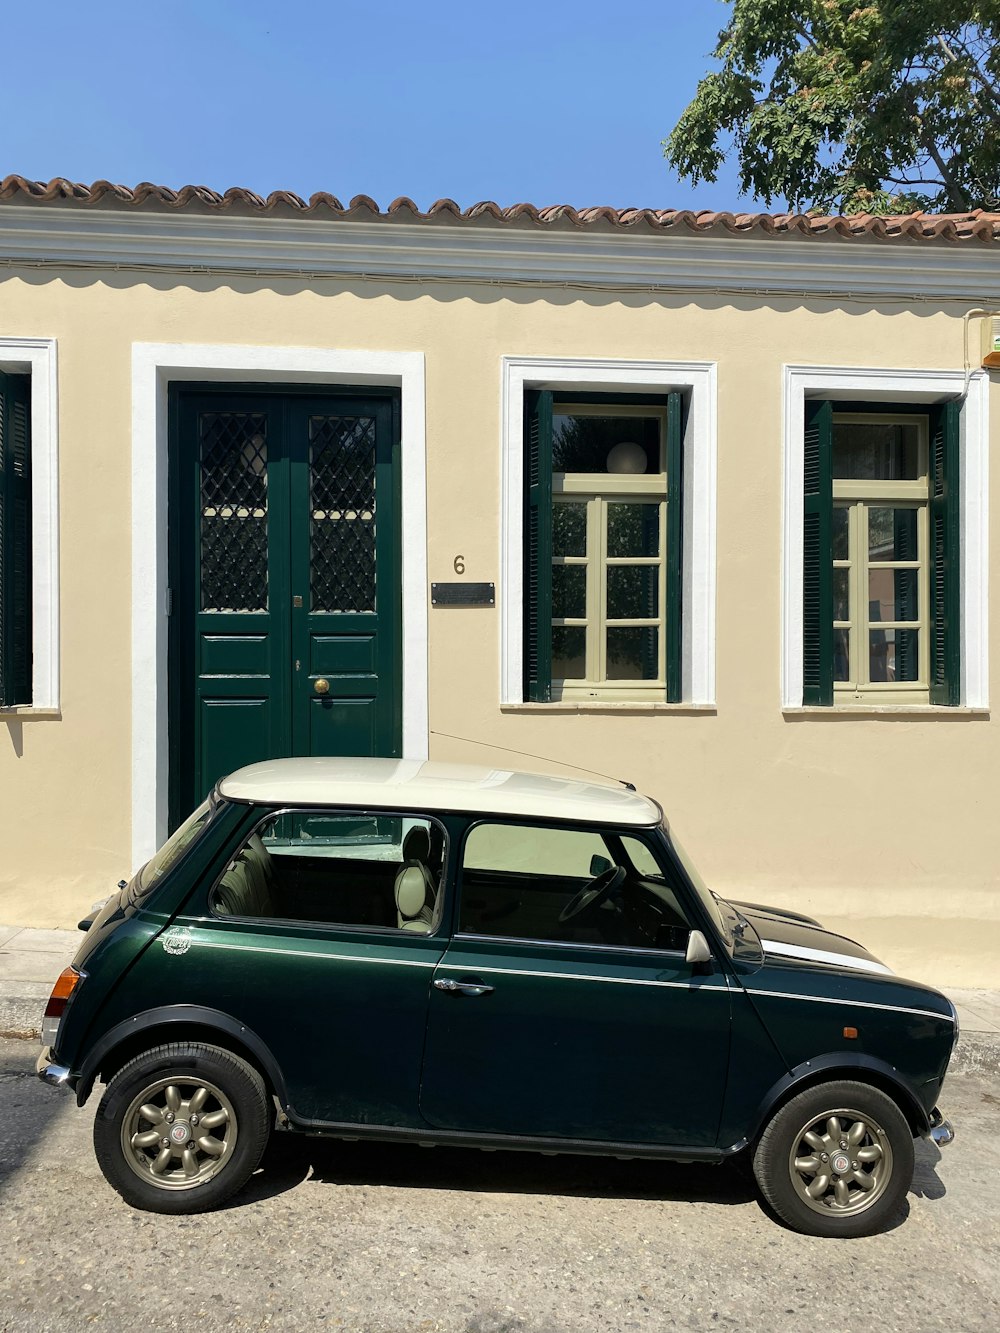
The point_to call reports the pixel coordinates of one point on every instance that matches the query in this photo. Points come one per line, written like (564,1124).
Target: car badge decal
(176,941)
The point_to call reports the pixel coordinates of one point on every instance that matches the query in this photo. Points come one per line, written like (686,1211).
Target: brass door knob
(322,686)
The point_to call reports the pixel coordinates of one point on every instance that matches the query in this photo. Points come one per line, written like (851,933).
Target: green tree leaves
(886,106)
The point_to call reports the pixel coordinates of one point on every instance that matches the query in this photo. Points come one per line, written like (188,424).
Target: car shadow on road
(290,1160)
(927,1184)
(28,1111)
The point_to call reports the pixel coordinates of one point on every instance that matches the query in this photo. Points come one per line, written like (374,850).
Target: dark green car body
(538,1044)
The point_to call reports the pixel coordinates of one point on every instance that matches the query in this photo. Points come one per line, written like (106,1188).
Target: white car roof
(406,784)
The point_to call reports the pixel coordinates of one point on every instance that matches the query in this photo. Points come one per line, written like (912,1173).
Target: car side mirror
(598,865)
(697,949)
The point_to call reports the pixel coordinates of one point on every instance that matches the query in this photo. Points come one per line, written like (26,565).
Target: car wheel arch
(833,1067)
(178,1023)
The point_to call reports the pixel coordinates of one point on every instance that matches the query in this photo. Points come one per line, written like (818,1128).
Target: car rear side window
(366,871)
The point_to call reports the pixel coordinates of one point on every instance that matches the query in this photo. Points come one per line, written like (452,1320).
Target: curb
(976,1053)
(21,1015)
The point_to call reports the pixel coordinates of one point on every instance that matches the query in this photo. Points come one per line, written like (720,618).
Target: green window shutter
(675,545)
(15,540)
(945,604)
(817,556)
(538,545)
(906,605)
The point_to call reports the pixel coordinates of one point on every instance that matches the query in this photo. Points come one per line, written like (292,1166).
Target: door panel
(343,654)
(344,726)
(572,1042)
(238,728)
(343,1011)
(231,528)
(234,654)
(345,554)
(284,556)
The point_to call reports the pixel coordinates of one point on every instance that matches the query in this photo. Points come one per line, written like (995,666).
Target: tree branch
(955,195)
(991,89)
(806,36)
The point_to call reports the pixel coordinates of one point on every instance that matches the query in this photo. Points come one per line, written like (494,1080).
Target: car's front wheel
(181,1127)
(836,1160)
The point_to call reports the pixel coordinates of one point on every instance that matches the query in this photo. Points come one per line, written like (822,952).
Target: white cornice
(315,249)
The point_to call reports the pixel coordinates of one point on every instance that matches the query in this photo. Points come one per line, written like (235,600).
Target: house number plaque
(463,594)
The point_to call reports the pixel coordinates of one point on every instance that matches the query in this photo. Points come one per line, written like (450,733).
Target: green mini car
(437,954)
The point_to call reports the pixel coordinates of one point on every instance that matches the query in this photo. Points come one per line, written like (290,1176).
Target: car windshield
(172,850)
(724,917)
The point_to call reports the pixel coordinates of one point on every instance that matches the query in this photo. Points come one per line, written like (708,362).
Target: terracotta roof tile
(976,225)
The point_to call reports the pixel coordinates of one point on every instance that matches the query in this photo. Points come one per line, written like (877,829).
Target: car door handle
(452,987)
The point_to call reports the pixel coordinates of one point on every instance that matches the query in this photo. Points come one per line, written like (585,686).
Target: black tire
(866,1182)
(187,1082)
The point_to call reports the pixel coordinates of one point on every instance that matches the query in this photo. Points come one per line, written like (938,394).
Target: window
(172,850)
(881,556)
(544,883)
(15,540)
(371,872)
(602,547)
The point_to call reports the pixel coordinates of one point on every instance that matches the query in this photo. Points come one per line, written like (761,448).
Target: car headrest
(417,845)
(411,891)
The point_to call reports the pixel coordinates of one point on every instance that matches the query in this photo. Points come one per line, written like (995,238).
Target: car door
(589,1027)
(302,942)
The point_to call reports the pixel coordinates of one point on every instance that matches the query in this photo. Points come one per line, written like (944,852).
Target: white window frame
(37,357)
(568,375)
(863,384)
(154,367)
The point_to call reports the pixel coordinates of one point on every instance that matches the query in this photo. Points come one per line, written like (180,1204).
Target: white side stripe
(577,976)
(822,956)
(850,1004)
(303,953)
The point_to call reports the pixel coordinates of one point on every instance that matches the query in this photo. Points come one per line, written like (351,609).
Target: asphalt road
(363,1237)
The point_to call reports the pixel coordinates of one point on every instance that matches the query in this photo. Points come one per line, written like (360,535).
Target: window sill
(884,710)
(25,713)
(609,706)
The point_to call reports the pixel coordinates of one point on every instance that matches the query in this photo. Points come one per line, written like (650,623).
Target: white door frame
(154,367)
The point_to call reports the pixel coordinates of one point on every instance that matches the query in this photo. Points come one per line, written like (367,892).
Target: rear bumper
(57,1076)
(941,1132)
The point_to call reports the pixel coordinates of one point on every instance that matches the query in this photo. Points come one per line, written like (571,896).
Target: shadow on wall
(532,292)
(15,729)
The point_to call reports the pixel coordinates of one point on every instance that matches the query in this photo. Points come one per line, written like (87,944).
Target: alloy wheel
(840,1162)
(179,1132)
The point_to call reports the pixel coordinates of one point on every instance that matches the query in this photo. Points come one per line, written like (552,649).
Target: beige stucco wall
(881,818)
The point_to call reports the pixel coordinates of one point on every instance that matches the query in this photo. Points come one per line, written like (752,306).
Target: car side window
(575,886)
(336,869)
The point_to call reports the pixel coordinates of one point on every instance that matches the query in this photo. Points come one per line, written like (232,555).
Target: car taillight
(66,984)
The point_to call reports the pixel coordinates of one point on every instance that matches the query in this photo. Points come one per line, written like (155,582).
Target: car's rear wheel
(181,1127)
(836,1160)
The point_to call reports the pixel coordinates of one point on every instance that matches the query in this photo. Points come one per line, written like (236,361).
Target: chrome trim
(941,1132)
(57,1076)
(849,1004)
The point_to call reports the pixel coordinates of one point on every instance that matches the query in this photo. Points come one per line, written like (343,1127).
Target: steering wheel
(594,893)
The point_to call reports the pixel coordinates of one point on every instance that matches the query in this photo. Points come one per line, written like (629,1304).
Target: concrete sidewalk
(30,961)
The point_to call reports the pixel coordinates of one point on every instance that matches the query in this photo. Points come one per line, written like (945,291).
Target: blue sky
(552,101)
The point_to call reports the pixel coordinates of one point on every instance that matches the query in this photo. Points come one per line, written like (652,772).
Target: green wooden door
(285,586)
